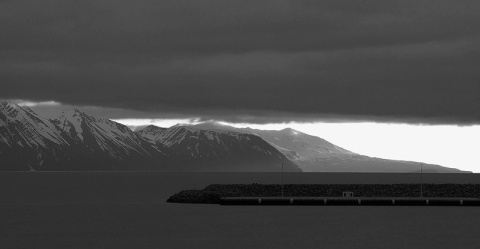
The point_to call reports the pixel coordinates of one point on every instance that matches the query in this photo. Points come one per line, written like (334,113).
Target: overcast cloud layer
(255,61)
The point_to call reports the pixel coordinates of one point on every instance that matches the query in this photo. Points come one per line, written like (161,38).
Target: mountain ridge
(78,141)
(201,147)
(314,154)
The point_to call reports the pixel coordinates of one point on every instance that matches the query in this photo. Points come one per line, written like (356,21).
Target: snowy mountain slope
(76,141)
(218,150)
(152,133)
(28,141)
(314,154)
(101,135)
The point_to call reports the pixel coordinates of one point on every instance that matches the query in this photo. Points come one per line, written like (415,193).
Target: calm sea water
(128,210)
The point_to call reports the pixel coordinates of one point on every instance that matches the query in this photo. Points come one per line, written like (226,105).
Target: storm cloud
(255,61)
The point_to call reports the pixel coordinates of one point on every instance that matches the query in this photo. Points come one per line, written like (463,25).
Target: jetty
(349,201)
(334,194)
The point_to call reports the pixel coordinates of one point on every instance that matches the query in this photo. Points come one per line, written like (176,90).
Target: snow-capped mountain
(80,142)
(107,145)
(28,141)
(314,154)
(218,150)
(94,134)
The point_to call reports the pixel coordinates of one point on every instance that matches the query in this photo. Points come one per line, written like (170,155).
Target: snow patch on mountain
(72,119)
(32,129)
(214,146)
(110,137)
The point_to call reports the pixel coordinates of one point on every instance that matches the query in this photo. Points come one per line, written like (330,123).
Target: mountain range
(314,154)
(76,141)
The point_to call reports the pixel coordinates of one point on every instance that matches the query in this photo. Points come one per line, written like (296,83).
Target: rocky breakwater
(212,193)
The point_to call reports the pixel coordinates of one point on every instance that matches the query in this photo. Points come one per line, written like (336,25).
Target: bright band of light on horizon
(446,145)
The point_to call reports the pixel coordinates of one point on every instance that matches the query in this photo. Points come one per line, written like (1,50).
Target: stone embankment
(213,193)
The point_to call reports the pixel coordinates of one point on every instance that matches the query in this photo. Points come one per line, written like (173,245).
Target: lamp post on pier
(282,179)
(421,180)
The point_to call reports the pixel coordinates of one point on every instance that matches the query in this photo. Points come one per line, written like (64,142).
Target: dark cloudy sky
(269,60)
